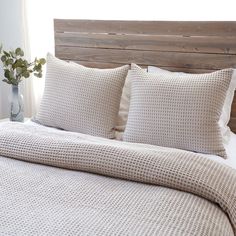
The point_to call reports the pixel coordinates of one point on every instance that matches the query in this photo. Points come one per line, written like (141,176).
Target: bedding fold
(168,167)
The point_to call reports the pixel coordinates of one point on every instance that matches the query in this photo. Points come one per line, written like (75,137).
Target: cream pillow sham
(81,99)
(125,102)
(180,113)
(226,111)
(124,107)
(123,110)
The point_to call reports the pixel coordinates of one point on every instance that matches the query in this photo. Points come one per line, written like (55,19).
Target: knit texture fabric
(41,200)
(181,112)
(81,99)
(226,111)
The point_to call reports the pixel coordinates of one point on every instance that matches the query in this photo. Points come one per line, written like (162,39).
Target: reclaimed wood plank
(181,60)
(197,44)
(187,28)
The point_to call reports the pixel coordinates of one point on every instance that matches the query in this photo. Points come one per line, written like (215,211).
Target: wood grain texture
(233,111)
(194,47)
(165,43)
(178,59)
(232,124)
(104,65)
(187,28)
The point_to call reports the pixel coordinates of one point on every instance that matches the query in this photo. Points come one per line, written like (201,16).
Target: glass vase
(16,105)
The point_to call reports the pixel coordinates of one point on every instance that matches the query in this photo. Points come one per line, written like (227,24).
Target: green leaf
(26,74)
(38,68)
(12,53)
(9,61)
(3,58)
(7,74)
(42,61)
(39,75)
(18,63)
(7,81)
(15,81)
(25,63)
(6,54)
(22,53)
(24,69)
(12,76)
(18,70)
(19,52)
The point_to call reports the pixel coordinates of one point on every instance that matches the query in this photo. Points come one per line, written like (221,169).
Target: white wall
(41,14)
(10,37)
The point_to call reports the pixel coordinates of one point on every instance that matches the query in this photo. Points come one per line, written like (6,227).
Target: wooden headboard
(175,45)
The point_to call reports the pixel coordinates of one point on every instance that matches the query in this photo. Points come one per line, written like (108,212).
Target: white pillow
(226,111)
(178,111)
(124,107)
(81,99)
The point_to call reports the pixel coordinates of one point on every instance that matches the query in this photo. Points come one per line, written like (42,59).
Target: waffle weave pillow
(226,111)
(81,99)
(124,107)
(180,113)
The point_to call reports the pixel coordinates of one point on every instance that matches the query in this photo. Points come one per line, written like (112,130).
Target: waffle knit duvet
(94,186)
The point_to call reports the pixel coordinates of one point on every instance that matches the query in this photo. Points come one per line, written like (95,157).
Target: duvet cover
(54,182)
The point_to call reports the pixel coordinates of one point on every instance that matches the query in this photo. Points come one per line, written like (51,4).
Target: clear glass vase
(16,105)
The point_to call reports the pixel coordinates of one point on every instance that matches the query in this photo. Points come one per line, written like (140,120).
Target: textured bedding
(230,148)
(156,190)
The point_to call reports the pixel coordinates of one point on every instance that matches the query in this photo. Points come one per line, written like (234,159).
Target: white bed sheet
(230,150)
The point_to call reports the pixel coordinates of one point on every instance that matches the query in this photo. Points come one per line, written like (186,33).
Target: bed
(57,182)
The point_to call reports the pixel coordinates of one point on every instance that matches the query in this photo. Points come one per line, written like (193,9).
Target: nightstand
(7,119)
